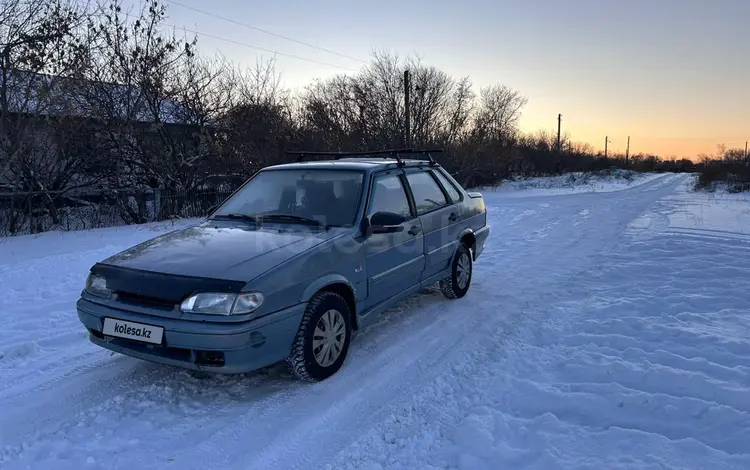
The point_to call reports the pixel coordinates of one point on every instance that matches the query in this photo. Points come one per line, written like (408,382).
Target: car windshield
(329,197)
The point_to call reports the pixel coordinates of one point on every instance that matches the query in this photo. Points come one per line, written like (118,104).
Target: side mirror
(386,222)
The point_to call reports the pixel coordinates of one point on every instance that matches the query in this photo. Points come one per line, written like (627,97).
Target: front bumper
(243,347)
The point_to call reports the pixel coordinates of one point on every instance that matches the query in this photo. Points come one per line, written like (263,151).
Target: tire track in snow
(691,377)
(366,384)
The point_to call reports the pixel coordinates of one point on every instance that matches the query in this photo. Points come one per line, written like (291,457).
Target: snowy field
(574,183)
(603,330)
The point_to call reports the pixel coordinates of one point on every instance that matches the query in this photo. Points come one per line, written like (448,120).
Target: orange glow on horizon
(667,147)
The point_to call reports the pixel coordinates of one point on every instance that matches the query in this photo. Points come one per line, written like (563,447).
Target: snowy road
(601,330)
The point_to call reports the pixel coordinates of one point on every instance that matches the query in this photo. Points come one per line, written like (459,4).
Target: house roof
(49,95)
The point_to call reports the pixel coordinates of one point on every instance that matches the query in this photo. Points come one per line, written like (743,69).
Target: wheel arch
(468,238)
(339,285)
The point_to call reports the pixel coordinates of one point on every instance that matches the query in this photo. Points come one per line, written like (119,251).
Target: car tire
(457,284)
(308,360)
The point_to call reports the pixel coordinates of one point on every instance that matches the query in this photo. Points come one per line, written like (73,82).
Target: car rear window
(427,194)
(449,187)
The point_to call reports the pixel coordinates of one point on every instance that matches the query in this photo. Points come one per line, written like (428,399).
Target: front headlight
(97,285)
(214,303)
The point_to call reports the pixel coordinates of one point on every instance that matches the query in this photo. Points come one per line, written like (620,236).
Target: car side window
(427,194)
(388,195)
(449,187)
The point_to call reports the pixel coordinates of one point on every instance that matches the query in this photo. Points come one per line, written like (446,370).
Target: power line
(717,139)
(244,44)
(239,43)
(255,28)
(731,142)
(291,56)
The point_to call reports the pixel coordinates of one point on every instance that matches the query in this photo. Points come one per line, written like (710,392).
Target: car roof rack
(301,154)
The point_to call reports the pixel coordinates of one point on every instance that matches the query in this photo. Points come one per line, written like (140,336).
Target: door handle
(453,217)
(414,230)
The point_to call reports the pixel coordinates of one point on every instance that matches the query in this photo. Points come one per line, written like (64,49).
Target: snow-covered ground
(602,330)
(574,183)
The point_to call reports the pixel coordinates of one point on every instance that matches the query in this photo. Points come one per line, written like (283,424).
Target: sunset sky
(672,74)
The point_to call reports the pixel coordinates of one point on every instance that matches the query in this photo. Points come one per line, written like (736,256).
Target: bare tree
(134,90)
(41,47)
(38,45)
(489,148)
(461,108)
(498,112)
(734,155)
(366,110)
(258,125)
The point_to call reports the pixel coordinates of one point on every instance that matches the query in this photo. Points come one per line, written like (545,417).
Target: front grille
(144,301)
(169,352)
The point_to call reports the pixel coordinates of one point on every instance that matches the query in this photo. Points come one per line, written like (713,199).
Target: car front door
(439,216)
(395,260)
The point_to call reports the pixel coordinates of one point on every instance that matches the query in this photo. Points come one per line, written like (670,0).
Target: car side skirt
(370,315)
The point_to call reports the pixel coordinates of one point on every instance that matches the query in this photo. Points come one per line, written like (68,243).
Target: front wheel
(323,337)
(457,284)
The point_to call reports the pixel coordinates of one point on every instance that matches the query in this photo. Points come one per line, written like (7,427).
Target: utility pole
(559,147)
(746,151)
(606,141)
(407,111)
(627,152)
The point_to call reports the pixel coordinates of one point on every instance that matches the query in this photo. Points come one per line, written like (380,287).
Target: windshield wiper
(293,218)
(245,217)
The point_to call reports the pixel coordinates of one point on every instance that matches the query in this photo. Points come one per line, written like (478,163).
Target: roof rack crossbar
(301,154)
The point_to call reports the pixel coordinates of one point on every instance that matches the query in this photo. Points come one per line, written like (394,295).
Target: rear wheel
(322,341)
(457,284)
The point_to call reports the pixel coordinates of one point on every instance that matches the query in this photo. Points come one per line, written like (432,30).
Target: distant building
(35,109)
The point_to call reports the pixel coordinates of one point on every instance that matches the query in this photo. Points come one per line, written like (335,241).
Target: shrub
(733,177)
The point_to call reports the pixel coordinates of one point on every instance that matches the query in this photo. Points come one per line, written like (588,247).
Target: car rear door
(394,260)
(439,216)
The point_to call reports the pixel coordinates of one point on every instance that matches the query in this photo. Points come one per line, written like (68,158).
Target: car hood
(230,251)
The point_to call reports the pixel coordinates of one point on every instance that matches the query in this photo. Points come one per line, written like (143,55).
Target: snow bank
(110,240)
(714,215)
(573,183)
